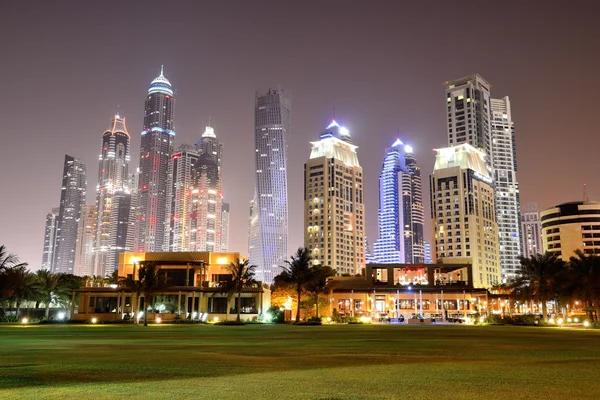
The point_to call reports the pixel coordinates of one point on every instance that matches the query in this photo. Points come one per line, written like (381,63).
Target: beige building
(333,202)
(194,291)
(571,226)
(463,213)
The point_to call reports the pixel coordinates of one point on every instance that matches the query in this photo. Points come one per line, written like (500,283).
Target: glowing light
(551,320)
(24,320)
(398,142)
(60,316)
(216,319)
(268,317)
(482,319)
(586,323)
(140,314)
(344,131)
(194,315)
(332,124)
(408,149)
(328,319)
(365,319)
(576,320)
(158,320)
(222,260)
(94,320)
(569,320)
(560,321)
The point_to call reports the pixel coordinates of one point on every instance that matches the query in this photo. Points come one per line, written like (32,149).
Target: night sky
(67,67)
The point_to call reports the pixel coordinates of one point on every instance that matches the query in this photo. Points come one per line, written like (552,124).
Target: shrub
(230,323)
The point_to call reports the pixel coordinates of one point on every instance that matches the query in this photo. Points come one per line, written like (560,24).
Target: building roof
(160,84)
(464,156)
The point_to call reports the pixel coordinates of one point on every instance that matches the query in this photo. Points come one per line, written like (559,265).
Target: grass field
(298,362)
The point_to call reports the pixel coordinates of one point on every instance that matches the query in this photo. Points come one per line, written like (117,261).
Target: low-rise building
(194,290)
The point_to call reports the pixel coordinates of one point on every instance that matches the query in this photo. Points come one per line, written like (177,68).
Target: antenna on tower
(585,192)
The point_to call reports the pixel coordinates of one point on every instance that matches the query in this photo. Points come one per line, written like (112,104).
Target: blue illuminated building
(155,152)
(401,214)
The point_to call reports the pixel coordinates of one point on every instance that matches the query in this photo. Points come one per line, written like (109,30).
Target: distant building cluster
(174,201)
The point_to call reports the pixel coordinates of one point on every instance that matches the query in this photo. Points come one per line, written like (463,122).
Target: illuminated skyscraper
(49,239)
(427,248)
(333,202)
(86,237)
(155,152)
(194,196)
(225,227)
(532,231)
(72,200)
(401,215)
(113,177)
(463,213)
(268,247)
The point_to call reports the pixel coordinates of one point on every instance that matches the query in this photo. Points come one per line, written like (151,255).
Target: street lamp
(94,320)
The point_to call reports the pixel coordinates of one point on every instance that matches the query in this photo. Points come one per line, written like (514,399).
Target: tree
(297,271)
(151,281)
(48,286)
(319,283)
(539,276)
(24,286)
(134,285)
(9,260)
(584,279)
(242,275)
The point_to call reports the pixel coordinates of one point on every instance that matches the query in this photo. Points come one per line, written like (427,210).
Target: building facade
(333,203)
(86,239)
(508,207)
(571,226)
(463,213)
(49,239)
(72,201)
(268,245)
(113,177)
(532,230)
(400,217)
(225,227)
(156,149)
(427,248)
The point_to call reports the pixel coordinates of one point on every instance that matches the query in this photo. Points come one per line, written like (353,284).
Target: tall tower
(155,152)
(463,214)
(333,202)
(468,113)
(86,237)
(508,208)
(400,208)
(72,200)
(268,247)
(113,177)
(49,239)
(225,227)
(532,231)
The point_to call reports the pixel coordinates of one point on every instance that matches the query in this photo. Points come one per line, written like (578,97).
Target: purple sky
(66,66)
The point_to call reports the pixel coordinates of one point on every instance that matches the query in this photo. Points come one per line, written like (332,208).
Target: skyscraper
(113,177)
(508,206)
(195,196)
(225,227)
(463,213)
(155,152)
(532,234)
(72,200)
(486,123)
(333,202)
(49,239)
(268,247)
(401,215)
(86,238)
(427,248)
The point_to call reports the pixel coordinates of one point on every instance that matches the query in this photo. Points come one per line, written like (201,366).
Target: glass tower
(269,216)
(155,152)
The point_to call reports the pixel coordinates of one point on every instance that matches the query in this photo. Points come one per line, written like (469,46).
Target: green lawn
(298,362)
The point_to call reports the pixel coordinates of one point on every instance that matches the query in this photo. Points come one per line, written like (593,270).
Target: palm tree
(584,279)
(539,275)
(320,282)
(298,272)
(9,260)
(130,283)
(48,286)
(24,286)
(151,281)
(242,275)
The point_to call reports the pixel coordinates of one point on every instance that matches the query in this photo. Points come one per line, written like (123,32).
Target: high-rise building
(333,202)
(463,213)
(486,123)
(268,247)
(427,248)
(225,227)
(49,236)
(132,233)
(113,177)
(86,238)
(401,214)
(468,113)
(532,231)
(195,196)
(72,200)
(508,208)
(571,226)
(155,152)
